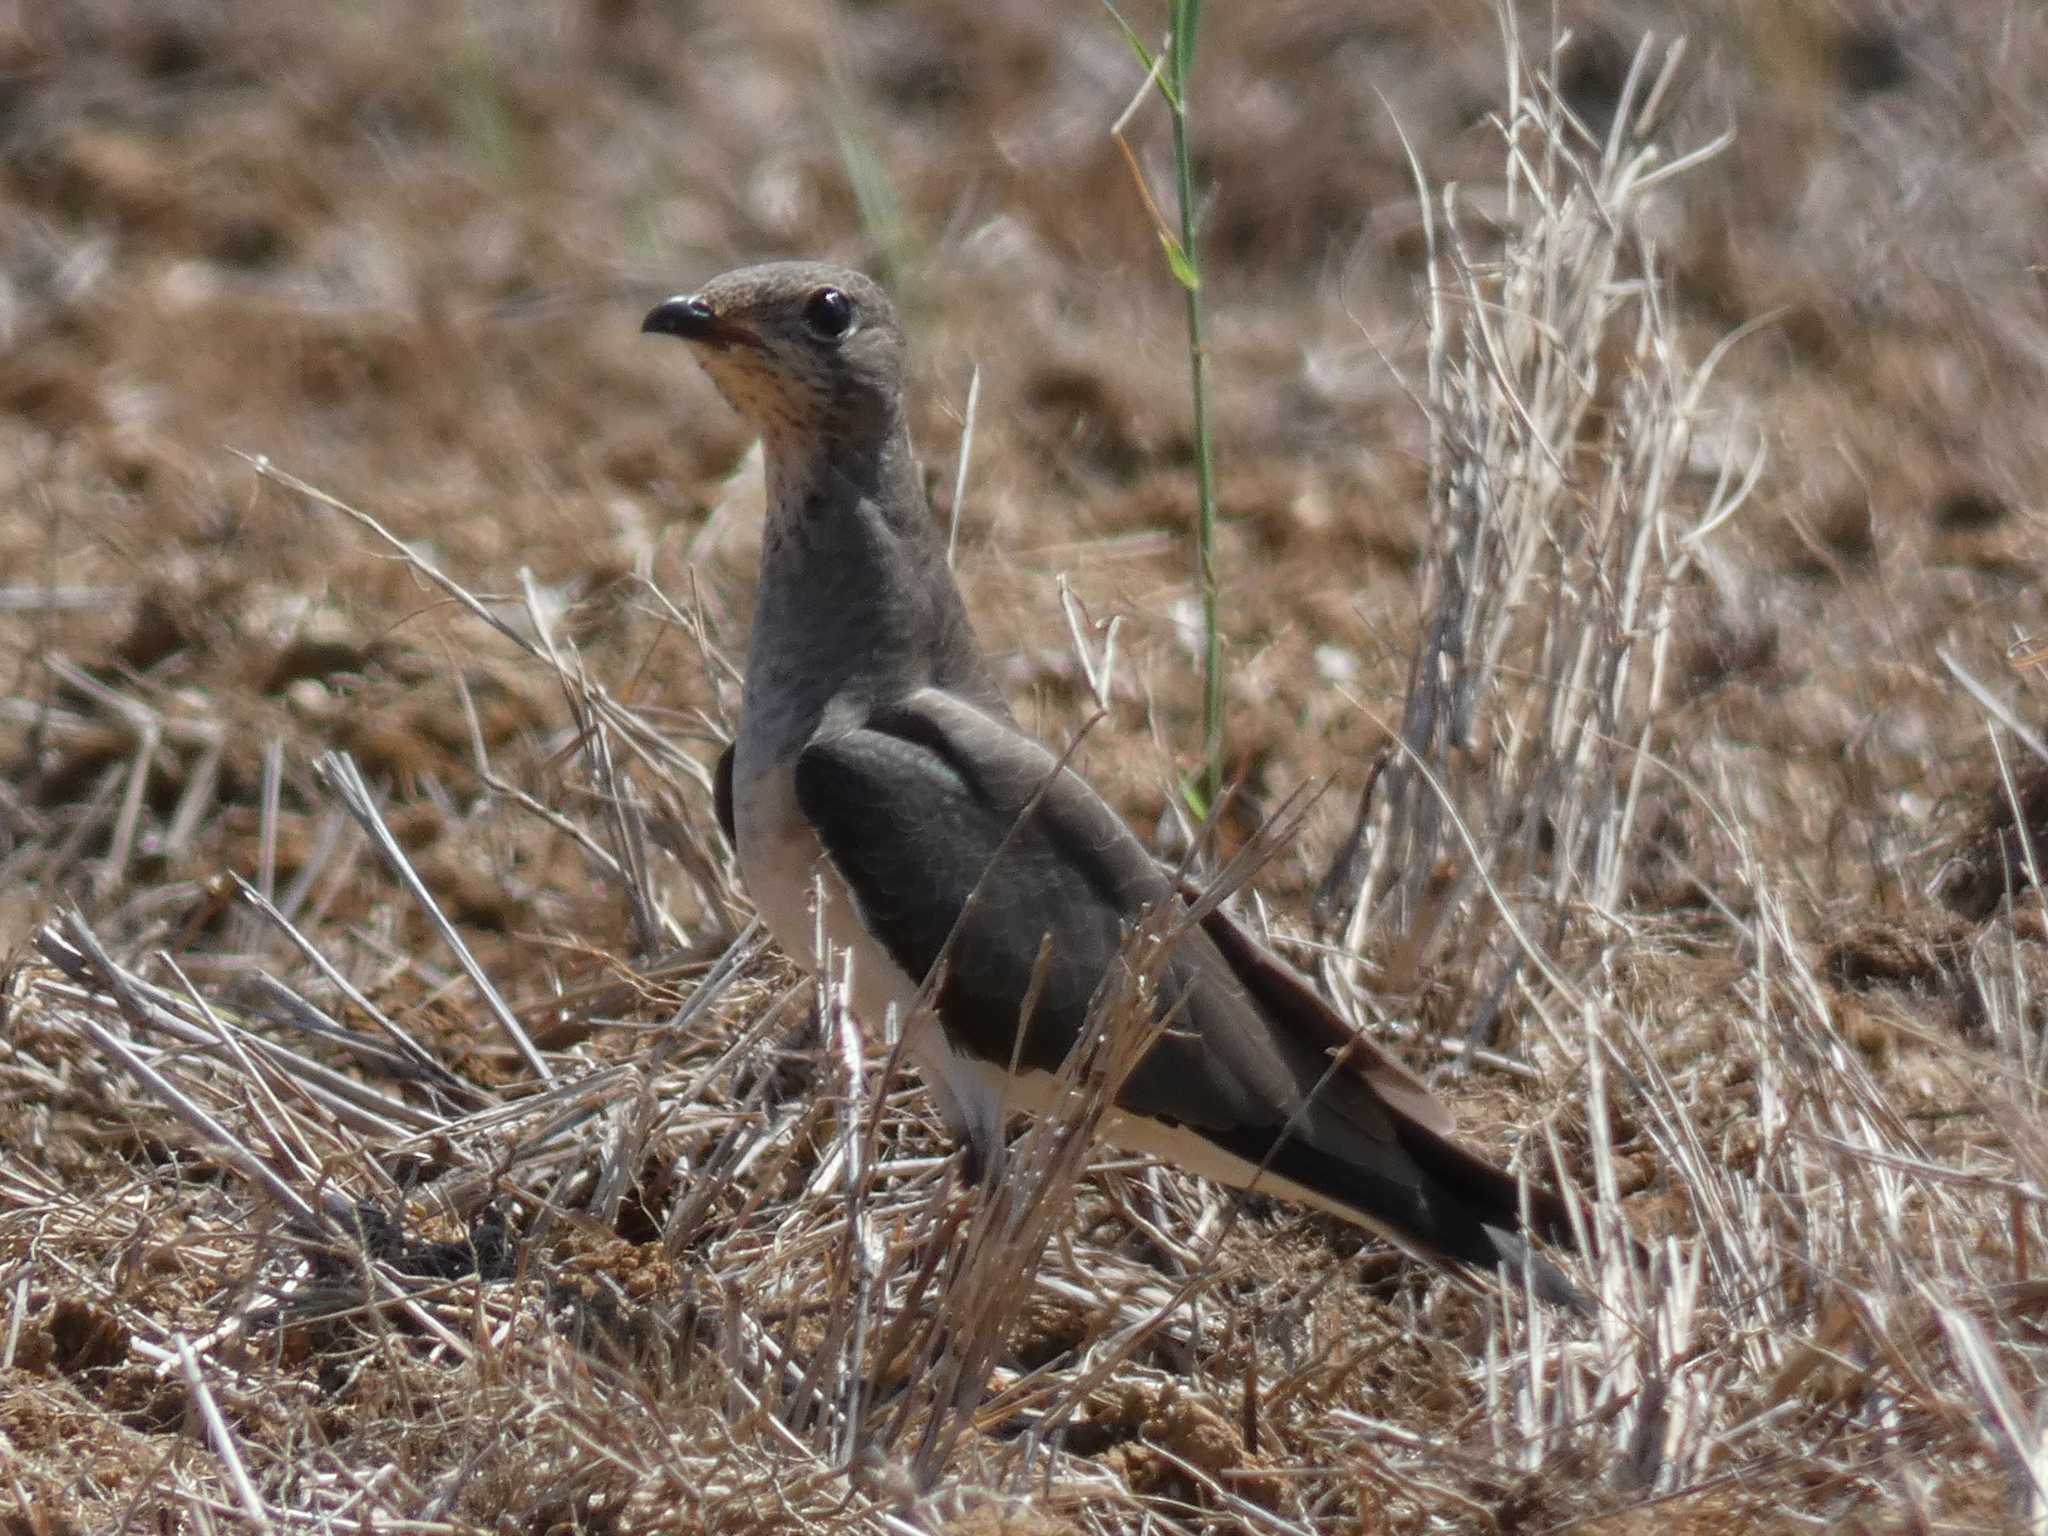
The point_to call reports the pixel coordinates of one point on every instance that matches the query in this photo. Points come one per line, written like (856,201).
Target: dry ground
(1796,1045)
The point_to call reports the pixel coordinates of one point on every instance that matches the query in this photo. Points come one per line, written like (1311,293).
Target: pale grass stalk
(1561,422)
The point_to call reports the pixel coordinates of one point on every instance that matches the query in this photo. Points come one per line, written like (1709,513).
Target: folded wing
(941,817)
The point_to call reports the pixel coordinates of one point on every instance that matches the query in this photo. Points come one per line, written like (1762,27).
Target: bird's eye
(829,314)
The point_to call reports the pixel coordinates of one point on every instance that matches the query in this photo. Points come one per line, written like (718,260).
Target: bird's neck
(814,477)
(856,606)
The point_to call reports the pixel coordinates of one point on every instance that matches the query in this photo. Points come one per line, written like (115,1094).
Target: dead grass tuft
(405,1130)
(1566,507)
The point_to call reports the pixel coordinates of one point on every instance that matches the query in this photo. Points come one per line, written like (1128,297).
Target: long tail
(1495,1198)
(1464,1211)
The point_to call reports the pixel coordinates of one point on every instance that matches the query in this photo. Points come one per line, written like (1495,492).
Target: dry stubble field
(293,1234)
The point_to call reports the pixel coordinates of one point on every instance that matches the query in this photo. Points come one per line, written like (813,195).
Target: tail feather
(1465,1211)
(1548,1281)
(1496,1195)
(1498,1198)
(1431,1195)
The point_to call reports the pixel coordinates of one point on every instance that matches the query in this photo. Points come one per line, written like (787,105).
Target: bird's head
(795,347)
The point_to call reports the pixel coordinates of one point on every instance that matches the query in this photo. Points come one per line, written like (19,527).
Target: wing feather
(956,834)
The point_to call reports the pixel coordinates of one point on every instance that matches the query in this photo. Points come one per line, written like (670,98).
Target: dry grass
(408,1132)
(1567,505)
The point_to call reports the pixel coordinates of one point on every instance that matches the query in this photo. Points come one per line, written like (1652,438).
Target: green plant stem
(1181,54)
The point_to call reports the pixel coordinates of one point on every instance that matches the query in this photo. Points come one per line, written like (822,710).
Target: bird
(877,767)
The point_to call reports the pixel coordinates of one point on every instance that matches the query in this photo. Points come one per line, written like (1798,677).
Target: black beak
(686,316)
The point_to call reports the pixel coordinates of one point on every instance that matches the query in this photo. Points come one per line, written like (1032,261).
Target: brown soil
(405,262)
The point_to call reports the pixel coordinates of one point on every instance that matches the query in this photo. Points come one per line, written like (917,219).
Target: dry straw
(630,1262)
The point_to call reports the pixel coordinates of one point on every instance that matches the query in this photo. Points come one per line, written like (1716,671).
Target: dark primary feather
(721,798)
(912,807)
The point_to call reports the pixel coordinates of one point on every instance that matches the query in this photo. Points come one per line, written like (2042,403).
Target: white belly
(781,861)
(786,871)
